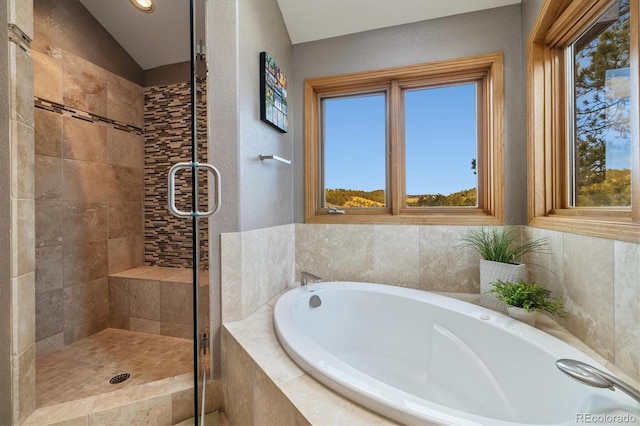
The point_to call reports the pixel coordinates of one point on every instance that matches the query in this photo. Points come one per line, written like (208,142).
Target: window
(354,145)
(599,138)
(441,140)
(417,144)
(583,128)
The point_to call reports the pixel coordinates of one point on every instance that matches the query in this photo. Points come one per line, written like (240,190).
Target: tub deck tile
(256,335)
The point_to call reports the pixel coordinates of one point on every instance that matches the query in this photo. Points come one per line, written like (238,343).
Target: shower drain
(119,378)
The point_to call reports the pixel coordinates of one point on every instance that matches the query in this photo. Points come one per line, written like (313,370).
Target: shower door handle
(218,187)
(195,166)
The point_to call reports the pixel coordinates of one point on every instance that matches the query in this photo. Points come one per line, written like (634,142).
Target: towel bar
(275,157)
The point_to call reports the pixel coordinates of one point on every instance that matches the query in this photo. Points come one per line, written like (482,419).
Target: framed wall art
(273,93)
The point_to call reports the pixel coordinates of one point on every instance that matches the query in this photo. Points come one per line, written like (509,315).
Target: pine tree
(599,115)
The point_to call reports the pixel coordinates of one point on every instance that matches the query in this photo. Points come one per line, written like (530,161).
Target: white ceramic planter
(490,272)
(527,317)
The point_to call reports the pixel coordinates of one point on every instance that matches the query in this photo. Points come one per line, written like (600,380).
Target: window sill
(405,219)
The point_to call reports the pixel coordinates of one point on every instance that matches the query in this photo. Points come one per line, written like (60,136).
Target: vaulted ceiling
(161,37)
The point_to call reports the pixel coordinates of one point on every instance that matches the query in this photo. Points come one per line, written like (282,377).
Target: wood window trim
(488,67)
(558,23)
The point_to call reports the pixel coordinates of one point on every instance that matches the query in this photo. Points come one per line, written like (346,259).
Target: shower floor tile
(85,367)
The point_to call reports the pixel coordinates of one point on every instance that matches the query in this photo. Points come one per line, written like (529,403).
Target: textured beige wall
(255,194)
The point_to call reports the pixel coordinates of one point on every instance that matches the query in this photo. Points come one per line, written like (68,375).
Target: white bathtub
(418,357)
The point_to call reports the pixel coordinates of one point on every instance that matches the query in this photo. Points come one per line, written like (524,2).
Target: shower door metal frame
(195,214)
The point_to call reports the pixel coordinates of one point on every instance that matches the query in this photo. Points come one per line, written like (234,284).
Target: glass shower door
(195,169)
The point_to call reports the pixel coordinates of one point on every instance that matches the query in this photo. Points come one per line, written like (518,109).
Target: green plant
(501,244)
(528,296)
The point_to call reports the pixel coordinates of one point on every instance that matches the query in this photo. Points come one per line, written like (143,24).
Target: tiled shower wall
(103,147)
(167,132)
(17,264)
(88,191)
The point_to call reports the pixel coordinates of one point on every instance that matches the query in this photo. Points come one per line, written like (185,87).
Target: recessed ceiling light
(144,5)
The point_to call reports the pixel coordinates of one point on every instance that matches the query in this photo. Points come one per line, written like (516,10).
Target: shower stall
(122,285)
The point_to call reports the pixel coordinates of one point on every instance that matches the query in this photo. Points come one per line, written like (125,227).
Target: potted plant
(524,299)
(501,249)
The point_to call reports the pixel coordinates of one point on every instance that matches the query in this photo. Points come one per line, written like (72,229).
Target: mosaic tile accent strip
(167,134)
(83,115)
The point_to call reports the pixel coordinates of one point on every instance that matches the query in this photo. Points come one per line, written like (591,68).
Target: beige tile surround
(18,143)
(258,264)
(598,279)
(263,385)
(255,265)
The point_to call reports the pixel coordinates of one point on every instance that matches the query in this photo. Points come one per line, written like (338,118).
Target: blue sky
(440,128)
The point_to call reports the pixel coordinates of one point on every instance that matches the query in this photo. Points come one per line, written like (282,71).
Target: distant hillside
(355,198)
(614,190)
(466,197)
